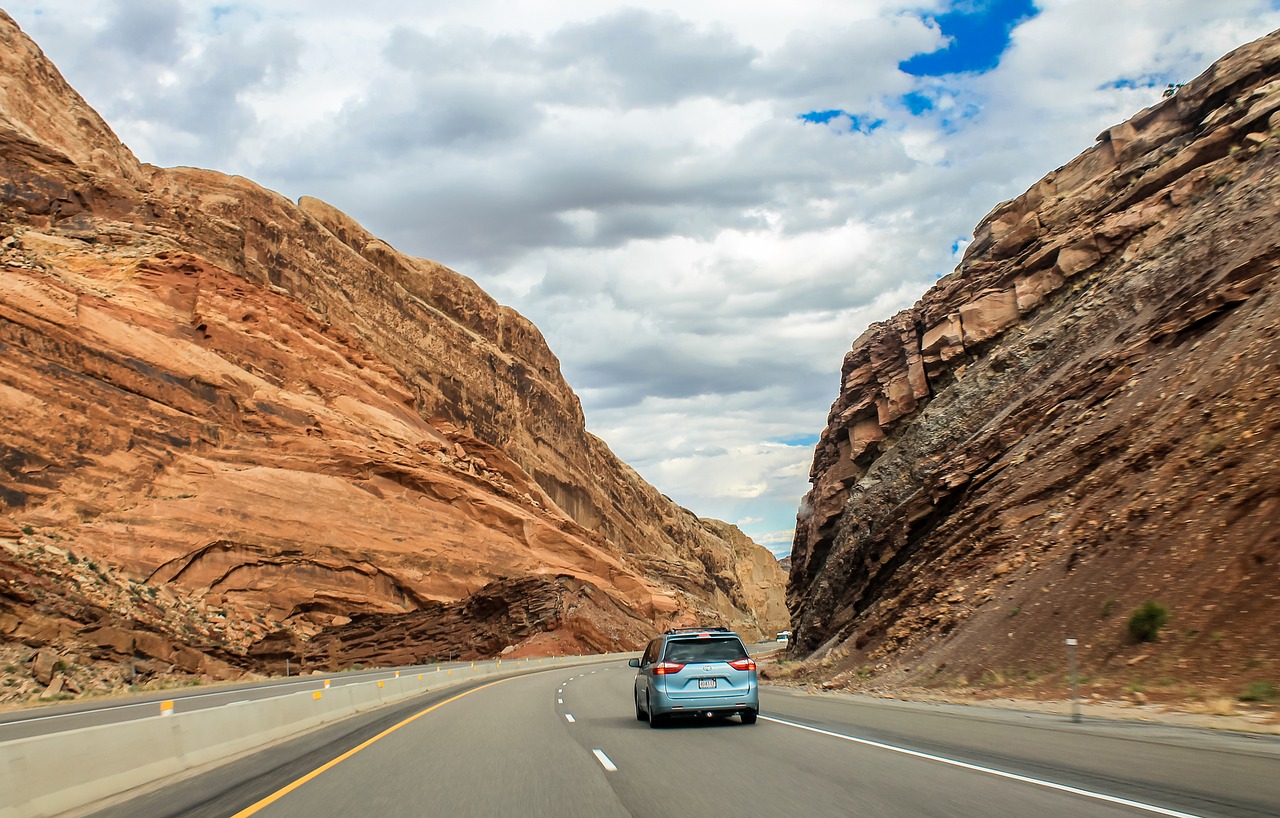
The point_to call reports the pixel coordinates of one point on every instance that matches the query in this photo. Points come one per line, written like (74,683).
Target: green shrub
(1108,606)
(28,530)
(1259,692)
(1147,621)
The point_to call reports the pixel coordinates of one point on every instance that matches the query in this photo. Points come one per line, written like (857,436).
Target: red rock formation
(1082,417)
(560,615)
(209,388)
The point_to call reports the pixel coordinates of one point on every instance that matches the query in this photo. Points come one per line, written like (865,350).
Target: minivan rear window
(705,650)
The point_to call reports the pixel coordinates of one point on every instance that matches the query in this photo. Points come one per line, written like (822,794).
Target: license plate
(703,683)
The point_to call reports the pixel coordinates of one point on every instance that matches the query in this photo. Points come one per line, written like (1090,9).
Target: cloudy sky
(700,203)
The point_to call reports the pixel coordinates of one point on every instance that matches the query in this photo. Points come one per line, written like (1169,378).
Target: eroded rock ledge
(1085,407)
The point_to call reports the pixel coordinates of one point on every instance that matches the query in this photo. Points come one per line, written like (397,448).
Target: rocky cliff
(259,414)
(1081,418)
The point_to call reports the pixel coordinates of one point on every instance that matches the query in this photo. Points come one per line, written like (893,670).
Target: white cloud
(636,180)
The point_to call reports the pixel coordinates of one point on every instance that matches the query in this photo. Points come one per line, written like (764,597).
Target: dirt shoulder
(1212,714)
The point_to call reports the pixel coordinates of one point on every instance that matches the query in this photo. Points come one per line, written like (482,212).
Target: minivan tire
(656,720)
(749,716)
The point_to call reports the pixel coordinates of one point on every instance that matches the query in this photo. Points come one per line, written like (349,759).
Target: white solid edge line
(604,761)
(989,771)
(568,717)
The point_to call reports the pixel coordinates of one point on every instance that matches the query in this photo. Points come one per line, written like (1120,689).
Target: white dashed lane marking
(568,717)
(604,761)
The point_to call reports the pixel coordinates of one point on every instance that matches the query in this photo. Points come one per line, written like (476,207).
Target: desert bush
(1259,692)
(1147,621)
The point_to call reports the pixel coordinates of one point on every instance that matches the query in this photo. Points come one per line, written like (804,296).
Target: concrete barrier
(52,774)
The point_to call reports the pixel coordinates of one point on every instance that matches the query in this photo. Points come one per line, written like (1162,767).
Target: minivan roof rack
(696,630)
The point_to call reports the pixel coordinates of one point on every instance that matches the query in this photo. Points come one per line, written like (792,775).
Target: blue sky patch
(860,124)
(822,116)
(979,33)
(796,440)
(1135,83)
(917,103)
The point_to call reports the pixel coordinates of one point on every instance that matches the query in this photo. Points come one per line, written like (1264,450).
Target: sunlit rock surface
(254,416)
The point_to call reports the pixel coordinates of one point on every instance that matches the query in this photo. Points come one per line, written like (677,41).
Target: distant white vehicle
(783,636)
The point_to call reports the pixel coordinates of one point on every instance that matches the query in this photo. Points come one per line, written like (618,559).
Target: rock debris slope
(1081,418)
(228,417)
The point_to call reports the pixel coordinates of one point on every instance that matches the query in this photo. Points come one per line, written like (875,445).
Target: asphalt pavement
(565,742)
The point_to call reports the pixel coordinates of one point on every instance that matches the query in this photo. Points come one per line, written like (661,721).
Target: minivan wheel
(749,716)
(656,720)
(640,714)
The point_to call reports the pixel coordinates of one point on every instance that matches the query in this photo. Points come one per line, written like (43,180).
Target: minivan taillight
(667,668)
(743,664)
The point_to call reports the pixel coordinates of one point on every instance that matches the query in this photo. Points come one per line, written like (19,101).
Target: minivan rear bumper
(663,705)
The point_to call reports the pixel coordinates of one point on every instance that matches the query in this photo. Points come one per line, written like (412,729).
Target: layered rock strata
(545,616)
(259,405)
(1083,416)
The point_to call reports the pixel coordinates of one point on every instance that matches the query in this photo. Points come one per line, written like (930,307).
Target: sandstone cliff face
(1082,417)
(261,407)
(548,616)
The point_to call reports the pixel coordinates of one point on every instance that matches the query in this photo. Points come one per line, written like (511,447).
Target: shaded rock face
(256,403)
(547,616)
(1083,416)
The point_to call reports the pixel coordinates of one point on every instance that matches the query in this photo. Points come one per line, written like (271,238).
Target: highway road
(565,742)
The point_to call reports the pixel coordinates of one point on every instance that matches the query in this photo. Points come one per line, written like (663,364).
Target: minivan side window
(651,653)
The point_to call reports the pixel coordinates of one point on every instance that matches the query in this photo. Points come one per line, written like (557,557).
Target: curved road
(565,742)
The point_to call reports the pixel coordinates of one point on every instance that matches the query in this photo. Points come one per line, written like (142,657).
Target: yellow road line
(285,790)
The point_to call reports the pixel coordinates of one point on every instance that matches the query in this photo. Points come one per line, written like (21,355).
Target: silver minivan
(696,672)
